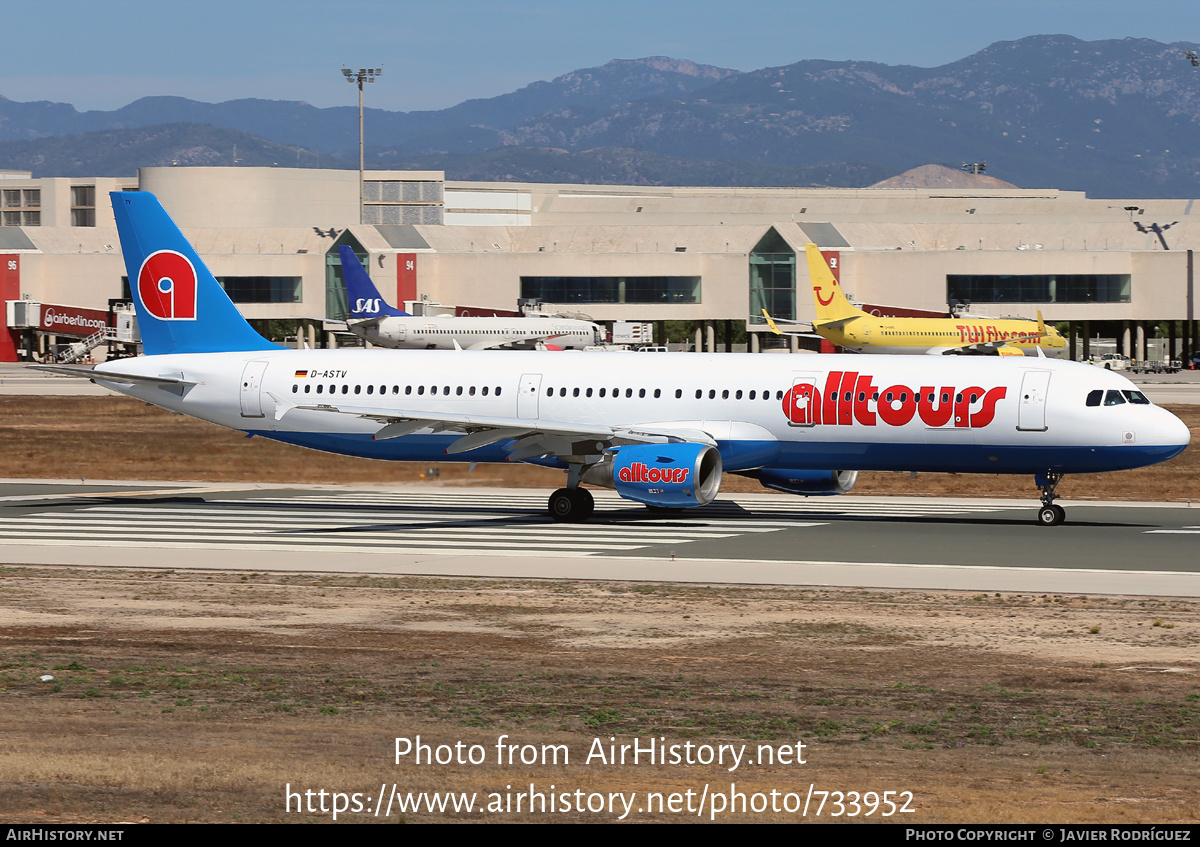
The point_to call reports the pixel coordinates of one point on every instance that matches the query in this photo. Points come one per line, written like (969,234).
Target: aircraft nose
(1173,431)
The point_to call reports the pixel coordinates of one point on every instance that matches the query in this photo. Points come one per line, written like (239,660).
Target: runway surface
(976,545)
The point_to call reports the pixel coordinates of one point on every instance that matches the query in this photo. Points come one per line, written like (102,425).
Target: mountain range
(1113,118)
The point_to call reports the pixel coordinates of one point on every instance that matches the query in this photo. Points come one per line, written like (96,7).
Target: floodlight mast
(360,76)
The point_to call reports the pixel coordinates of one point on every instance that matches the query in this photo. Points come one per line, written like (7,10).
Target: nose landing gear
(1050,513)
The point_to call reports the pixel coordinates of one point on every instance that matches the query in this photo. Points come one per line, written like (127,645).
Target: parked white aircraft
(662,433)
(371,318)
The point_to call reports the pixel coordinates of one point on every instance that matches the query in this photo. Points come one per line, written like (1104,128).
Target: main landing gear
(1050,513)
(571,505)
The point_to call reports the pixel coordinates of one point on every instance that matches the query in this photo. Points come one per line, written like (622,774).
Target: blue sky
(103,55)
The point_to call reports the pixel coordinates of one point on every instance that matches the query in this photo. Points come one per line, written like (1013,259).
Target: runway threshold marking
(447,523)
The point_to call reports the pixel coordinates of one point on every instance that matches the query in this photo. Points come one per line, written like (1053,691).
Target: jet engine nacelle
(808,482)
(669,475)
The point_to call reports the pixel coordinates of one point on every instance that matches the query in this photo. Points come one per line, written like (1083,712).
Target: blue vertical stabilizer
(364,298)
(180,306)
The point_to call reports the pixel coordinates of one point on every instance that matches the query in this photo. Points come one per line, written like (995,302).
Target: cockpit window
(1113,398)
(1094,397)
(1136,397)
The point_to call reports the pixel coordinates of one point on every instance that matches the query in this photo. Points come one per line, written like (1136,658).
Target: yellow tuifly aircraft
(844,324)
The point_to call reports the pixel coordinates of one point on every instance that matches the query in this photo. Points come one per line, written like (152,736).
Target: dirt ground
(209,696)
(217,696)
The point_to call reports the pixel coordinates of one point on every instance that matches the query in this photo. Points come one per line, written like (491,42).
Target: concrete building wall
(88,279)
(255,197)
(899,244)
(917,279)
(55,210)
(493,280)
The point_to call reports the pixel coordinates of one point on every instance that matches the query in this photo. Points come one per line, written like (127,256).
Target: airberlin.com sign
(70,320)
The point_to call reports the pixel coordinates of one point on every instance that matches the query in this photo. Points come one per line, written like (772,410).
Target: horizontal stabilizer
(98,375)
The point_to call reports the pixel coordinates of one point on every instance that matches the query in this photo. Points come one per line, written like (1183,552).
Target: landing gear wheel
(584,502)
(571,505)
(1051,515)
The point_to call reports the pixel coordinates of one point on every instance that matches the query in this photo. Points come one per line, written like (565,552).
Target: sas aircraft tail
(828,297)
(180,306)
(364,297)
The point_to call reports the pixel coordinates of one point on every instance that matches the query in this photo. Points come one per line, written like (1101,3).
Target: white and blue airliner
(660,430)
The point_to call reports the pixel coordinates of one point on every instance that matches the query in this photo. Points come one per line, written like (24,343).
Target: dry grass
(198,697)
(119,438)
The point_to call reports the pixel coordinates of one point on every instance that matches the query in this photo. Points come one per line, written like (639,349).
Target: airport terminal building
(713,256)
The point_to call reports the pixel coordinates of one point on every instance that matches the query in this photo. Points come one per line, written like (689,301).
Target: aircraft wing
(497,344)
(530,438)
(992,348)
(773,323)
(537,343)
(988,348)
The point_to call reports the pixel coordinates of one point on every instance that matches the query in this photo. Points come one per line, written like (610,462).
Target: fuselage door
(527,398)
(802,402)
(251,392)
(1031,407)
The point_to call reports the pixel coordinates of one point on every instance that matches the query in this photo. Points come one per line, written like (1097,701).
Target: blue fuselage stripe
(848,456)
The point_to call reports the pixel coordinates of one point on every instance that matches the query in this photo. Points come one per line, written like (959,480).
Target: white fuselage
(976,414)
(442,333)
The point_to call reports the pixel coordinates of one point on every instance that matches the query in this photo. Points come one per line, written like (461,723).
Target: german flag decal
(301,374)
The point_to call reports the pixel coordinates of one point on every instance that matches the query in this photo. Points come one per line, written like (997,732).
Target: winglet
(771,323)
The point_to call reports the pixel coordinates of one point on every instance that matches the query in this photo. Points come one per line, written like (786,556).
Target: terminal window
(83,205)
(248,289)
(1039,288)
(772,279)
(262,289)
(21,207)
(612,289)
